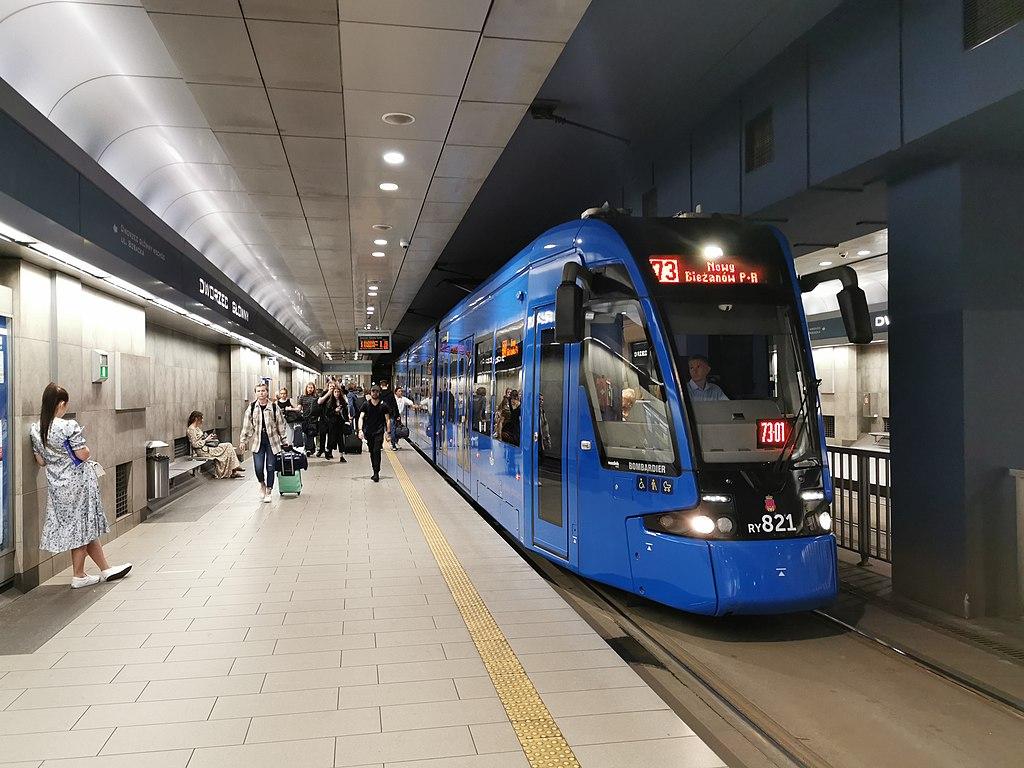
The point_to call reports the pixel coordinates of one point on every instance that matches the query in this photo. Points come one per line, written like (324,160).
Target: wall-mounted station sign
(373,342)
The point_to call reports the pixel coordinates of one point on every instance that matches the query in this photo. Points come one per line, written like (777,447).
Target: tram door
(442,410)
(550,526)
(463,418)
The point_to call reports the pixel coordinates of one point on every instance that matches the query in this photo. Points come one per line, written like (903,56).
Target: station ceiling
(254,128)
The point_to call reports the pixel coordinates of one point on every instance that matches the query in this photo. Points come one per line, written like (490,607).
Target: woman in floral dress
(226,463)
(74,516)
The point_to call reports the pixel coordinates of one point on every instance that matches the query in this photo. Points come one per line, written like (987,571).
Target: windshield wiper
(794,436)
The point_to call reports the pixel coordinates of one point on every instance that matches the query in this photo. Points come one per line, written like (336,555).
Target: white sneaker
(77,582)
(115,572)
(263,491)
(267,496)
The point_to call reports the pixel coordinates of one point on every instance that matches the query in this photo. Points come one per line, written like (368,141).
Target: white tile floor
(317,631)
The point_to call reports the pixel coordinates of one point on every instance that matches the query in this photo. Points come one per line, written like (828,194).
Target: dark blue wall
(869,80)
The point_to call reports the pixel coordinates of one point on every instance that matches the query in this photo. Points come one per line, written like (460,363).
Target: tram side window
(508,383)
(482,398)
(626,392)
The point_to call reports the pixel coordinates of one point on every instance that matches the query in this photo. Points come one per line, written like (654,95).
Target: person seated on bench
(226,463)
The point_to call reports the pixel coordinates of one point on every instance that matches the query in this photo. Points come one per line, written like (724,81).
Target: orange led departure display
(373,342)
(672,270)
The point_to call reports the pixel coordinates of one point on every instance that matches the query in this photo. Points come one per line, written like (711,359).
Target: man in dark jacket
(374,421)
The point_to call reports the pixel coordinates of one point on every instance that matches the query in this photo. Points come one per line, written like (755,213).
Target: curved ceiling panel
(183,212)
(100,111)
(31,31)
(136,154)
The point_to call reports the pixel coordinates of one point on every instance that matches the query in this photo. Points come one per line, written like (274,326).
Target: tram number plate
(773,524)
(654,484)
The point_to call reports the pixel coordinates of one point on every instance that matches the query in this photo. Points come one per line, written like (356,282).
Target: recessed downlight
(824,263)
(394,158)
(380,241)
(864,253)
(397,118)
(378,254)
(388,186)
(381,227)
(371,309)
(713,252)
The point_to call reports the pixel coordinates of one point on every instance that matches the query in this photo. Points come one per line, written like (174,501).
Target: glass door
(549,517)
(464,418)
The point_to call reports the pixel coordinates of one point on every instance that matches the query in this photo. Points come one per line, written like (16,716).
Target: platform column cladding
(956,283)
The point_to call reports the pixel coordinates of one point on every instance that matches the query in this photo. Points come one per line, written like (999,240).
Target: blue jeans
(263,462)
(391,433)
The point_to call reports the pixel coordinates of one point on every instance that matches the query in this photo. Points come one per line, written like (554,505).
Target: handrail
(862,501)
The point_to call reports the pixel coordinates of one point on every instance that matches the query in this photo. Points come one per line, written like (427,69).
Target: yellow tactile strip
(542,741)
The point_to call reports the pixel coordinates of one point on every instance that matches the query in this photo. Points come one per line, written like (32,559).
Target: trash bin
(158,468)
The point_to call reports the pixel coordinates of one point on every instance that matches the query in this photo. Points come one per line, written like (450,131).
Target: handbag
(401,431)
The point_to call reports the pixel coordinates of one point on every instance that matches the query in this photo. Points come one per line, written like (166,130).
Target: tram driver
(700,388)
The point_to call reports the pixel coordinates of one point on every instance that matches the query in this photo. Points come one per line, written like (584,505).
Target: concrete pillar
(956,285)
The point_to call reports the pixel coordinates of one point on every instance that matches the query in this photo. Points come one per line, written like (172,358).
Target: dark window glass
(508,382)
(482,397)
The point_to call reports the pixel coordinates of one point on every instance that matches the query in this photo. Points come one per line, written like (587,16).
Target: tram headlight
(812,495)
(714,518)
(702,524)
(825,521)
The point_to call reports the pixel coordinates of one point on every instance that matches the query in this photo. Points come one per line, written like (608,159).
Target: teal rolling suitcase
(290,483)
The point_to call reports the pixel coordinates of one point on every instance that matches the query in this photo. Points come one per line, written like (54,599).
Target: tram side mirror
(569,317)
(853,306)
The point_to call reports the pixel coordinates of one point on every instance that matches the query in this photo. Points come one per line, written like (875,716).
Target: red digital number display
(669,270)
(772,433)
(666,268)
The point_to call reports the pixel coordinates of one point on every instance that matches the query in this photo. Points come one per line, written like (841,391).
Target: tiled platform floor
(318,631)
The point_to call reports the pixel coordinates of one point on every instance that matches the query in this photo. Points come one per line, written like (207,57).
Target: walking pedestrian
(264,432)
(401,407)
(374,420)
(74,515)
(310,417)
(335,410)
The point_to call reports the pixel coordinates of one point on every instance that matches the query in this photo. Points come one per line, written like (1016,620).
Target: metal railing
(862,504)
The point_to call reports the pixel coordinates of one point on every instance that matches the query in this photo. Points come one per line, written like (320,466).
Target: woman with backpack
(264,432)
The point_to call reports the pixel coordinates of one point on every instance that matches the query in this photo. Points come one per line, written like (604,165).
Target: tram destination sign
(373,342)
(675,269)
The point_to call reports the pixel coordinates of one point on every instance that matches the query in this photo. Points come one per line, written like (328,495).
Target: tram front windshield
(743,371)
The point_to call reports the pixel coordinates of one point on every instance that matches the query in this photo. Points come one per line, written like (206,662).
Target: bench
(183,461)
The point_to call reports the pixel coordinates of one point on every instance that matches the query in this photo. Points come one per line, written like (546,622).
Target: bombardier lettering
(640,466)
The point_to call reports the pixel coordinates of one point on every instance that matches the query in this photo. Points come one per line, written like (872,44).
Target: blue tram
(635,400)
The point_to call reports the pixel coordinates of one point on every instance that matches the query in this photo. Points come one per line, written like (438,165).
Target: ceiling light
(380,241)
(394,158)
(381,227)
(824,263)
(713,252)
(378,254)
(397,118)
(388,186)
(863,253)
(370,309)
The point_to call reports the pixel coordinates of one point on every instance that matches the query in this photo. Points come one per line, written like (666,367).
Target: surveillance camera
(404,243)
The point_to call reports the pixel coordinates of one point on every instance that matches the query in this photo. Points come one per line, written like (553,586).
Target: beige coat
(277,428)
